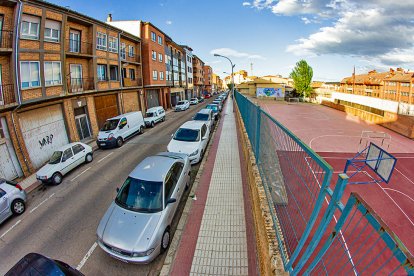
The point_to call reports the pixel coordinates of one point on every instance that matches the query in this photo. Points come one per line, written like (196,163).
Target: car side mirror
(172,135)
(204,138)
(171,200)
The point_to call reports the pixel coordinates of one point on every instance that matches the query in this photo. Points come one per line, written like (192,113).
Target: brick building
(208,81)
(62,75)
(198,75)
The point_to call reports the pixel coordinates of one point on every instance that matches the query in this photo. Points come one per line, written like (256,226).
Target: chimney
(109,18)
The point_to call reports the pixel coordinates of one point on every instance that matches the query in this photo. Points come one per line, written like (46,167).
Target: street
(61,221)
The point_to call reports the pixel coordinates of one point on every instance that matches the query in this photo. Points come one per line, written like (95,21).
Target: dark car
(200,99)
(37,264)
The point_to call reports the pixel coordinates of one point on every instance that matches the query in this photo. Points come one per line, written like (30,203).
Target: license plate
(103,144)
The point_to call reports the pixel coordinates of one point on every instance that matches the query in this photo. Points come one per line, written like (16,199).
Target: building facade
(189,71)
(208,81)
(178,84)
(62,75)
(198,76)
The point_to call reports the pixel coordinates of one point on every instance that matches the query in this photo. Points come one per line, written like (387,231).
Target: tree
(302,77)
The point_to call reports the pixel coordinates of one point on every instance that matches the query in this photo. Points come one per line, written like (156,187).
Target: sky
(268,37)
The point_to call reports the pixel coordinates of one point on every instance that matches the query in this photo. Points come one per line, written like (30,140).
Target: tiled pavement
(222,247)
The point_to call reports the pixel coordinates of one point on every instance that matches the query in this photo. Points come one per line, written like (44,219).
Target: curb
(172,251)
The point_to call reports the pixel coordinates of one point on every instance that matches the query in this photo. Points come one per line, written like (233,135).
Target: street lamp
(232,75)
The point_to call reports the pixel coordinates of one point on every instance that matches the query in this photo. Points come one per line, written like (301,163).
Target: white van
(117,129)
(154,115)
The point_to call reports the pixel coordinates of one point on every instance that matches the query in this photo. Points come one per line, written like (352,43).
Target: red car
(207,96)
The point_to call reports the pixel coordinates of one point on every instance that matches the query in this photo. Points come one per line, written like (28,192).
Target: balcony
(7,94)
(79,85)
(6,39)
(130,82)
(132,58)
(76,47)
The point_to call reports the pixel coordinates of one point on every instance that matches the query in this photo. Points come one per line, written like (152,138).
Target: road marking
(31,211)
(88,254)
(105,157)
(10,228)
(81,173)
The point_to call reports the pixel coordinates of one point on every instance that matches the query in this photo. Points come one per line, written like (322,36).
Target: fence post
(258,123)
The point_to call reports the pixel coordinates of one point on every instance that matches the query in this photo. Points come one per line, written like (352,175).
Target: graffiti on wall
(46,141)
(270,92)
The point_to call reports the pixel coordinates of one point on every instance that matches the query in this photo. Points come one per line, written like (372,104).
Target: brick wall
(6,70)
(92,115)
(70,120)
(130,100)
(8,17)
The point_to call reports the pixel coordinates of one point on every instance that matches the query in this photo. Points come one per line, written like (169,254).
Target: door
(7,169)
(74,41)
(79,153)
(105,107)
(68,161)
(123,128)
(204,137)
(152,98)
(82,123)
(44,131)
(76,83)
(4,206)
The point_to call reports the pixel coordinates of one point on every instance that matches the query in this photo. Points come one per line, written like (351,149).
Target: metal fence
(297,183)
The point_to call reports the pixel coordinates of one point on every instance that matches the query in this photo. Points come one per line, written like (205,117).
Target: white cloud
(168,22)
(233,53)
(246,4)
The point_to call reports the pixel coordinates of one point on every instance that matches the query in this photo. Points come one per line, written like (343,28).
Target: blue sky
(332,35)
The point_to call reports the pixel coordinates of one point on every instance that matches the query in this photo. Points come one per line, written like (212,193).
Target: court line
(330,135)
(86,257)
(404,175)
(404,194)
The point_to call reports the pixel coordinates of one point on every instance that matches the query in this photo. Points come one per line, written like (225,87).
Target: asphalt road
(61,221)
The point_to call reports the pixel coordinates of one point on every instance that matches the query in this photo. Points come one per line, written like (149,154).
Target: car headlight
(143,254)
(194,153)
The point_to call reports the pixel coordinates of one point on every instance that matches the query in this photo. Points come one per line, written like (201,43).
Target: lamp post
(232,75)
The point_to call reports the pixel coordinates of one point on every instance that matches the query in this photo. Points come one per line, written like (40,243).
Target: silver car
(12,199)
(136,226)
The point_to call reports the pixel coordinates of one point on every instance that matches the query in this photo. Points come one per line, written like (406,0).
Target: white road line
(404,176)
(14,225)
(105,157)
(81,173)
(31,211)
(88,254)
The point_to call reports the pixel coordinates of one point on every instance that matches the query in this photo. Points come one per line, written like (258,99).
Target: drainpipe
(16,63)
(120,69)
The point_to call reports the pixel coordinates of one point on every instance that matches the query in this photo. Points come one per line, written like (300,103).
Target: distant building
(261,87)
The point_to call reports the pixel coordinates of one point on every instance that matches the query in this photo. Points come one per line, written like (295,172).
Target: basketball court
(337,137)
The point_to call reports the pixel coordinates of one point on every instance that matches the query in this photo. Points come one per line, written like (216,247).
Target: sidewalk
(218,238)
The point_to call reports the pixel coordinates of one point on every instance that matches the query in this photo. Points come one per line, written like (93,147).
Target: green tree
(302,77)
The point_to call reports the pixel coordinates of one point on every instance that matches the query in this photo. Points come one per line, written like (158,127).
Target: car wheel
(18,207)
(163,119)
(89,158)
(57,178)
(141,130)
(165,240)
(152,124)
(119,142)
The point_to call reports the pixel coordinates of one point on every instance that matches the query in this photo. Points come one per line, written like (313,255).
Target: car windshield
(212,107)
(181,103)
(194,99)
(187,135)
(56,156)
(110,125)
(201,117)
(150,114)
(140,196)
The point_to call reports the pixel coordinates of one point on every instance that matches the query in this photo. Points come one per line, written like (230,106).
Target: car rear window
(201,117)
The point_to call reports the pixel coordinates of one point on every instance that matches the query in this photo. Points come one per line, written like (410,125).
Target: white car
(193,101)
(182,105)
(63,161)
(12,199)
(192,139)
(207,116)
(154,115)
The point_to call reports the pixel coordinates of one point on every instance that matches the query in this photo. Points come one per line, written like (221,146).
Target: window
(67,154)
(161,75)
(124,73)
(160,57)
(101,41)
(2,193)
(113,44)
(30,27)
(102,75)
(1,129)
(132,73)
(153,36)
(77,148)
(53,73)
(29,73)
(154,55)
(52,31)
(123,53)
(131,51)
(203,131)
(154,75)
(74,41)
(159,40)
(113,72)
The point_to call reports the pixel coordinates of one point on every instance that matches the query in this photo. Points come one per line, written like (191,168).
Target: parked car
(200,99)
(215,109)
(192,139)
(154,115)
(193,101)
(117,129)
(136,226)
(182,105)
(12,199)
(37,264)
(63,161)
(205,115)
(219,103)
(207,96)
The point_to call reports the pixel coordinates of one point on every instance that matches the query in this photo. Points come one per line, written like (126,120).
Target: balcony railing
(6,39)
(79,47)
(7,94)
(79,85)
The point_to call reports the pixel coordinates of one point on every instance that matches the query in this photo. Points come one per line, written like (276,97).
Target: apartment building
(177,71)
(208,81)
(198,76)
(189,71)
(62,75)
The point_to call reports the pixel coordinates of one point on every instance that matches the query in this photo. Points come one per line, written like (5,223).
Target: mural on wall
(270,92)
